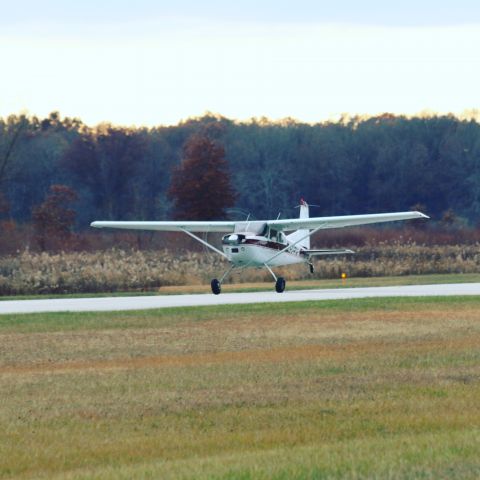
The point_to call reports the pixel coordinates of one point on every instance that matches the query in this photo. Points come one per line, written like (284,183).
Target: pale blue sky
(366,12)
(155,62)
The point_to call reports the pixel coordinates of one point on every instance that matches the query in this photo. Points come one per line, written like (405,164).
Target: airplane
(264,244)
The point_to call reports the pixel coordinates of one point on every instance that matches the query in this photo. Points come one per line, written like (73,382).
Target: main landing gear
(280,285)
(216,284)
(279,282)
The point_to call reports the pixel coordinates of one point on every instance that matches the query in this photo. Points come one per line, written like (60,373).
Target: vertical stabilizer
(293,237)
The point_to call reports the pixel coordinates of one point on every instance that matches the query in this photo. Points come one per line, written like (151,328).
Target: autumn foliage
(200,187)
(53,220)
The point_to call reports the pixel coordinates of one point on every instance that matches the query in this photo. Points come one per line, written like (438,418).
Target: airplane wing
(179,226)
(342,221)
(283,224)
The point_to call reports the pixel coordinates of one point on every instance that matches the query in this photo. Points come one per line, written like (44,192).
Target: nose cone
(235,253)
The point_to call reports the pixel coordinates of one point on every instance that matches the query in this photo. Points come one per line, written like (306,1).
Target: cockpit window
(255,227)
(276,236)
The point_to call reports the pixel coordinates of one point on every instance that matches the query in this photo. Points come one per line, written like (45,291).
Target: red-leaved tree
(53,219)
(200,186)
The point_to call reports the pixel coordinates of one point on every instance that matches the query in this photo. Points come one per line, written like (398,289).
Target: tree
(105,164)
(200,187)
(53,220)
(4,206)
(13,130)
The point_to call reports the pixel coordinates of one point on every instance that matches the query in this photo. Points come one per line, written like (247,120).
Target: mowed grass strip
(357,389)
(318,283)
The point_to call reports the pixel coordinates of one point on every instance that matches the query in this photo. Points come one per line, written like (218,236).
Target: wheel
(280,285)
(216,286)
(312,268)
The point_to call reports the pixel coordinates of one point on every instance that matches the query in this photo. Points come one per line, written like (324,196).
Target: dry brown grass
(246,333)
(272,391)
(342,353)
(30,273)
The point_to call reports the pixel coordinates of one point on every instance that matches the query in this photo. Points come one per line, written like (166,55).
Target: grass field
(371,388)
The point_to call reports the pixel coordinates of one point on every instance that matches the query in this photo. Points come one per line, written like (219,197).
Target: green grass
(267,286)
(170,317)
(368,388)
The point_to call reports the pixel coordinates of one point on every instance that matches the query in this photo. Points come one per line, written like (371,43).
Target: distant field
(370,388)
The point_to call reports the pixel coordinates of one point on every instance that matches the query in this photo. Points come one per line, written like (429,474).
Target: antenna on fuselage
(248,222)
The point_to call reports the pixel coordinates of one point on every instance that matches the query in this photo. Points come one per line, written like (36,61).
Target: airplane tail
(293,237)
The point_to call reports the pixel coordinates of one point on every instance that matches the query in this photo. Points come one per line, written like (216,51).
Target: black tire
(312,268)
(280,285)
(216,287)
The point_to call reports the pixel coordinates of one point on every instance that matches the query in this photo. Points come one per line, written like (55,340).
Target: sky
(152,62)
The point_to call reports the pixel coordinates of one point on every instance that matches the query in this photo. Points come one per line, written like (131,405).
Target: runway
(167,301)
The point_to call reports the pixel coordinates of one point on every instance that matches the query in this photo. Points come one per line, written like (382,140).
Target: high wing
(283,224)
(342,221)
(170,226)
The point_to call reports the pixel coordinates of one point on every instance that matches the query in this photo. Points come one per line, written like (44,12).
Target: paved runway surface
(164,301)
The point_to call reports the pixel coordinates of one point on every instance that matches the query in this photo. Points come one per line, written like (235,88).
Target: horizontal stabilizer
(337,251)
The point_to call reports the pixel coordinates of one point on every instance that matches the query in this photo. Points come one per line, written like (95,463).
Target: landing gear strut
(216,284)
(279,282)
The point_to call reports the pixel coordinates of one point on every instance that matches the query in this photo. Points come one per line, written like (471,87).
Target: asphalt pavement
(167,301)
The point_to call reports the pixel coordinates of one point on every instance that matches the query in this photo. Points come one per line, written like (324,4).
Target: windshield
(257,228)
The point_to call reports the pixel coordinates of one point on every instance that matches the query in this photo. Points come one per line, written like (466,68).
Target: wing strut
(294,243)
(204,242)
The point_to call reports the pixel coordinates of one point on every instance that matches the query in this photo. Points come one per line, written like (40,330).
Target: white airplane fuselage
(244,249)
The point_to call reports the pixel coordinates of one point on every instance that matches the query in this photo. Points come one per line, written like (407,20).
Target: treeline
(356,165)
